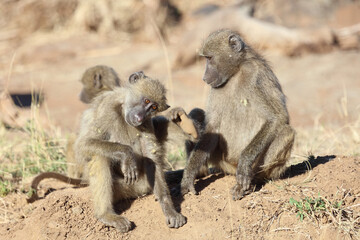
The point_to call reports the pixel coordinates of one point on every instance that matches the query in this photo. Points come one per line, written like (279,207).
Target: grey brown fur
(95,80)
(247,129)
(124,157)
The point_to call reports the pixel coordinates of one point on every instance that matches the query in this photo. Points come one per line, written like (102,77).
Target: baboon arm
(107,149)
(161,191)
(257,146)
(202,150)
(273,110)
(270,100)
(168,130)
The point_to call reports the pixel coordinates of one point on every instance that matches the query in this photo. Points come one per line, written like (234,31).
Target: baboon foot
(184,189)
(175,220)
(116,221)
(188,188)
(238,192)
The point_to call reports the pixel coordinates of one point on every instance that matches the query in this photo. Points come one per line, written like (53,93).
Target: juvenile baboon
(95,80)
(247,129)
(124,157)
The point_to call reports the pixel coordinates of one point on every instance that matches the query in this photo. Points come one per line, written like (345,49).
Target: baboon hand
(179,116)
(175,220)
(116,221)
(129,168)
(175,114)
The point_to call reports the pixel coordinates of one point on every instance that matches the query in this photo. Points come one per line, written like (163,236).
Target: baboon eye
(208,57)
(147,101)
(154,107)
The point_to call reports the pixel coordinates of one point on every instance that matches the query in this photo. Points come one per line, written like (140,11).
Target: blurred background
(45,47)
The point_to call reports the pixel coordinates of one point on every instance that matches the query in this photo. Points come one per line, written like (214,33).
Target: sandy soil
(264,214)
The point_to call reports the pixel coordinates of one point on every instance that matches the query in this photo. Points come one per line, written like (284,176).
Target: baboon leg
(198,116)
(204,170)
(200,155)
(277,155)
(161,192)
(101,184)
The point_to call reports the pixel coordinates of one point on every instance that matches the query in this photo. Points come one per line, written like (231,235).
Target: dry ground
(264,214)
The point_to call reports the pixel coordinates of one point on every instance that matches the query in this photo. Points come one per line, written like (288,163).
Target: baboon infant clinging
(125,158)
(247,129)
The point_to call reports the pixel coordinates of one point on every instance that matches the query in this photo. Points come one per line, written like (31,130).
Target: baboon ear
(98,81)
(136,76)
(236,43)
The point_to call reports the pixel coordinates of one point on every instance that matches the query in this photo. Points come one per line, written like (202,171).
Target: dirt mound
(67,212)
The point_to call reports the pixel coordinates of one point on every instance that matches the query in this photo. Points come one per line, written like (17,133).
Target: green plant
(310,206)
(5,188)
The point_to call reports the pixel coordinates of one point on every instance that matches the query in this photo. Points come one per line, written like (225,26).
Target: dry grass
(31,150)
(328,139)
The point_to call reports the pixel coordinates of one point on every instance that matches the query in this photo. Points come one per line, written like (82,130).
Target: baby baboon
(95,80)
(247,129)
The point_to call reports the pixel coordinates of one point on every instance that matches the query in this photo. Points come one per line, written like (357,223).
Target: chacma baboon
(247,129)
(95,80)
(124,157)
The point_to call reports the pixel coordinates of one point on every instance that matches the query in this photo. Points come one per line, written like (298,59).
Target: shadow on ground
(303,167)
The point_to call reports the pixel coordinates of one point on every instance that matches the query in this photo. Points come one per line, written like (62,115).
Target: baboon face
(223,52)
(146,98)
(140,111)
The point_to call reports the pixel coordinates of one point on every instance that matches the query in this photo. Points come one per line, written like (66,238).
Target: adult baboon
(247,129)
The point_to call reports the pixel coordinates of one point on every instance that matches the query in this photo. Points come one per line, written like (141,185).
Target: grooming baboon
(124,157)
(95,80)
(247,129)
